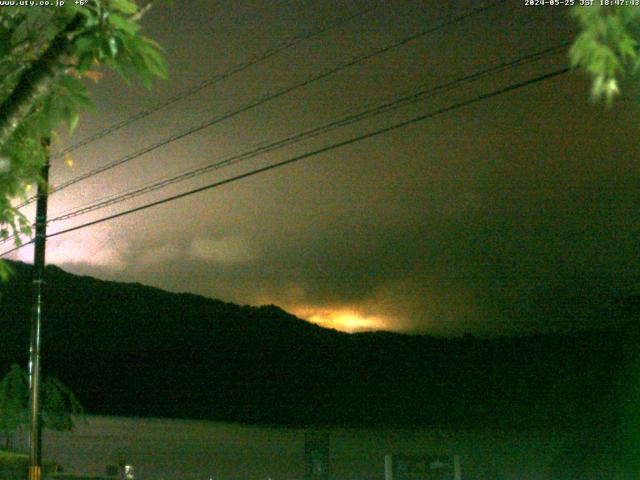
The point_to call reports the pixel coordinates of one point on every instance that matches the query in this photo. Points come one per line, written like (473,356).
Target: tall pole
(35,418)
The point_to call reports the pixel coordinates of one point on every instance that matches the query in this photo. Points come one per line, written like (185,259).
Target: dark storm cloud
(515,213)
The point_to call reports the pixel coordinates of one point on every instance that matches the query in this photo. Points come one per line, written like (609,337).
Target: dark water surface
(184,449)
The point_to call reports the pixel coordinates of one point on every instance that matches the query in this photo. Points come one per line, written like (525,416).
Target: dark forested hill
(129,349)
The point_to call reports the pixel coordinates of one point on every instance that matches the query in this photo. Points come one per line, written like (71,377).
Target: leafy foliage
(14,398)
(58,403)
(608,46)
(46,55)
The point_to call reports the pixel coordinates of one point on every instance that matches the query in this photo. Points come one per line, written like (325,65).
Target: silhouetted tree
(58,405)
(45,53)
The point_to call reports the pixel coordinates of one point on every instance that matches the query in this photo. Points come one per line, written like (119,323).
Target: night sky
(512,214)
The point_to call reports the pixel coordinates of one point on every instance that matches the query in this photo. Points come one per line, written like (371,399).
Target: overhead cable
(310,133)
(272,96)
(297,158)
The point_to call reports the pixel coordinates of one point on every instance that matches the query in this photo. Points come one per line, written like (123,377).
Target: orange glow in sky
(344,319)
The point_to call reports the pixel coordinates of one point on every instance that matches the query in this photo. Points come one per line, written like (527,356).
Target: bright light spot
(68,161)
(346,320)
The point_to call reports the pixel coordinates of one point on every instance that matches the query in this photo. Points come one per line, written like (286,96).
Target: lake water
(183,449)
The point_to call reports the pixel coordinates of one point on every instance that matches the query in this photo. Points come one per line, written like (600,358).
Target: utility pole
(35,416)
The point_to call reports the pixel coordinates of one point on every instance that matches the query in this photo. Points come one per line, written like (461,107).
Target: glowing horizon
(344,319)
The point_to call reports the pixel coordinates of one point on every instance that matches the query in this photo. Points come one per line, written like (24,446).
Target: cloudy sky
(511,214)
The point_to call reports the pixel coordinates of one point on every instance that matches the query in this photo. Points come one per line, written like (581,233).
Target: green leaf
(124,6)
(73,120)
(68,112)
(91,16)
(607,46)
(85,61)
(154,60)
(152,42)
(107,33)
(145,78)
(72,85)
(82,100)
(86,44)
(628,48)
(122,63)
(123,24)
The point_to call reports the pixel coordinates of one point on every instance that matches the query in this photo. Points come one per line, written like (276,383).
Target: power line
(272,96)
(349,119)
(261,57)
(379,109)
(381,131)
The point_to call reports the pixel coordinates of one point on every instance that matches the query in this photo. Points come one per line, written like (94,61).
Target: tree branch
(142,11)
(35,82)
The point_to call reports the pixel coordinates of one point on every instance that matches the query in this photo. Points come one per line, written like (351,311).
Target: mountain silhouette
(130,349)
